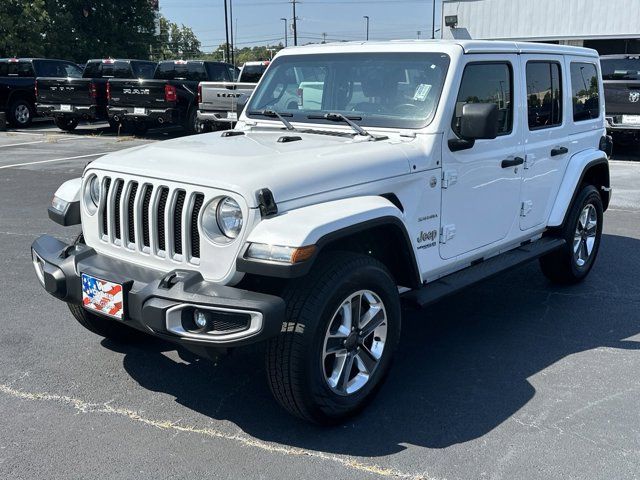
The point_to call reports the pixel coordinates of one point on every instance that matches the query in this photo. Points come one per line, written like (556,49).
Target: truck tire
(191,123)
(105,327)
(582,232)
(324,367)
(66,124)
(20,113)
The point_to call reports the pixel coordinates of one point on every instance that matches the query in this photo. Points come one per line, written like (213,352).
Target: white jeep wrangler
(359,175)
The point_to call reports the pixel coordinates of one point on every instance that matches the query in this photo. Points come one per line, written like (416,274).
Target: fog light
(59,204)
(200,319)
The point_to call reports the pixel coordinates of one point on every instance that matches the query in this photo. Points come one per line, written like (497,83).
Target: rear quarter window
(585,91)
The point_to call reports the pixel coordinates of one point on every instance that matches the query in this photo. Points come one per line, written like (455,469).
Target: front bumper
(149,115)
(85,112)
(156,302)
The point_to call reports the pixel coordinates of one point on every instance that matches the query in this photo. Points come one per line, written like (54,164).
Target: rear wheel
(191,123)
(66,124)
(336,345)
(582,233)
(20,113)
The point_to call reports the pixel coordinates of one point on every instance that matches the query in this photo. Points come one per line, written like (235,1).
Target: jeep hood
(273,159)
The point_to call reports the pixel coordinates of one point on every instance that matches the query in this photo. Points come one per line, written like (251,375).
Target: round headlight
(92,195)
(94,191)
(229,217)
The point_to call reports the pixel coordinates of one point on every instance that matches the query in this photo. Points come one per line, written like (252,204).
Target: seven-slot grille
(153,219)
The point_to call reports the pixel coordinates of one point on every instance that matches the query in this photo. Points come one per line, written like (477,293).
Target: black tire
(113,125)
(20,113)
(66,124)
(294,359)
(564,266)
(191,123)
(140,129)
(105,327)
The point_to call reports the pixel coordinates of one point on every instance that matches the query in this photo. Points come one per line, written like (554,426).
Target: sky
(259,21)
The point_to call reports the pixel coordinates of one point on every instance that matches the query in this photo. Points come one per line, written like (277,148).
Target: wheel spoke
(589,243)
(347,320)
(377,319)
(336,373)
(583,219)
(583,255)
(366,360)
(356,305)
(345,374)
(576,243)
(335,346)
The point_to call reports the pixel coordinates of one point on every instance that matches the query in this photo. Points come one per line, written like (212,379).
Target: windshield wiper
(280,116)
(338,117)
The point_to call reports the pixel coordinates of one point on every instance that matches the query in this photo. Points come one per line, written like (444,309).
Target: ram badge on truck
(405,171)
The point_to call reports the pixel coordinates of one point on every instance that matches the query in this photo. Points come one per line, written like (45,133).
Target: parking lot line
(53,160)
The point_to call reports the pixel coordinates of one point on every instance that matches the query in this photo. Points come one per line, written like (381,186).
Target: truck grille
(153,219)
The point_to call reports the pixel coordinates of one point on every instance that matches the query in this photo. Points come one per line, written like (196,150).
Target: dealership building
(609,26)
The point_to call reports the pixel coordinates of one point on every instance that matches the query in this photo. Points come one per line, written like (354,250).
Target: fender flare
(69,192)
(575,173)
(320,225)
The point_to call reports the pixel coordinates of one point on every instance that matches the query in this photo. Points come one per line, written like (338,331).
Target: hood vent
(289,139)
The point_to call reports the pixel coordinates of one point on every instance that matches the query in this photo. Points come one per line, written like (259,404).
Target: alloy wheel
(585,237)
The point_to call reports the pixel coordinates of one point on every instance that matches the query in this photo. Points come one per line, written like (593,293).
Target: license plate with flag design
(102,297)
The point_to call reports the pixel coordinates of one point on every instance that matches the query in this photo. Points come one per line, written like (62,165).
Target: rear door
(480,198)
(547,144)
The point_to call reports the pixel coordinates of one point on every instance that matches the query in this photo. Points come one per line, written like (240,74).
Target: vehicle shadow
(462,368)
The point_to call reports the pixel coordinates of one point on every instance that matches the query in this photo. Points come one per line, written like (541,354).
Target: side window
(544,95)
(487,83)
(3,69)
(25,69)
(585,91)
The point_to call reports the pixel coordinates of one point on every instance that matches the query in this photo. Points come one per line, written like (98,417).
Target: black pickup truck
(18,85)
(170,98)
(621,75)
(69,100)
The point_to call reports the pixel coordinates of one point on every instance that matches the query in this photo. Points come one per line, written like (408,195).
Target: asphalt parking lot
(513,378)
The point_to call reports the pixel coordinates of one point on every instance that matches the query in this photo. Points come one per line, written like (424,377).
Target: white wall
(544,19)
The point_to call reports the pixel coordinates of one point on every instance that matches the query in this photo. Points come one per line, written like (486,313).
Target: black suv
(18,85)
(621,75)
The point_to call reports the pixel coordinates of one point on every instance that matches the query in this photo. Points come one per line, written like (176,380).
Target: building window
(487,83)
(585,91)
(544,95)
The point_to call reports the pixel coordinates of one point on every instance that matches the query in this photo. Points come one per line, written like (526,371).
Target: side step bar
(457,281)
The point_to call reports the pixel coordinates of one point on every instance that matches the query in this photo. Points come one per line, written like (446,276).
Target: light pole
(286,34)
(366,17)
(433,25)
(295,24)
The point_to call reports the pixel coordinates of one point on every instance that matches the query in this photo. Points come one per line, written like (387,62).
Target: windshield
(397,90)
(621,68)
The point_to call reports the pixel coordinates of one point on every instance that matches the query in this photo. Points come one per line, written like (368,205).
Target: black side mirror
(479,121)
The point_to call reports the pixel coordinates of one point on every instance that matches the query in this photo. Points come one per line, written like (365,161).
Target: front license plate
(65,108)
(232,115)
(102,296)
(139,111)
(631,119)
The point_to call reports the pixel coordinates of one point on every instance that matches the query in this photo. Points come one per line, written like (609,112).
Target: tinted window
(233,73)
(91,70)
(3,69)
(487,83)
(218,72)
(252,73)
(585,92)
(397,90)
(193,71)
(544,95)
(54,68)
(620,68)
(143,69)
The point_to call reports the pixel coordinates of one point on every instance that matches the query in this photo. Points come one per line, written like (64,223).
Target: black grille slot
(162,205)
(131,208)
(195,234)
(177,222)
(145,215)
(116,207)
(105,219)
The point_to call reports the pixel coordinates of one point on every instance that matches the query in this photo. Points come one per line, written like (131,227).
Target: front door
(481,186)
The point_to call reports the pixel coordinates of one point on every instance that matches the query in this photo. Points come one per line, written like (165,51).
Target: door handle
(512,162)
(559,151)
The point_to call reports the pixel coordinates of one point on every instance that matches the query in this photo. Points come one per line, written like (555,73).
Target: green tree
(83,29)
(176,41)
(21,27)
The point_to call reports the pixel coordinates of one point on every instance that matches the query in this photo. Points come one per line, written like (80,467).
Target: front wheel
(336,345)
(582,233)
